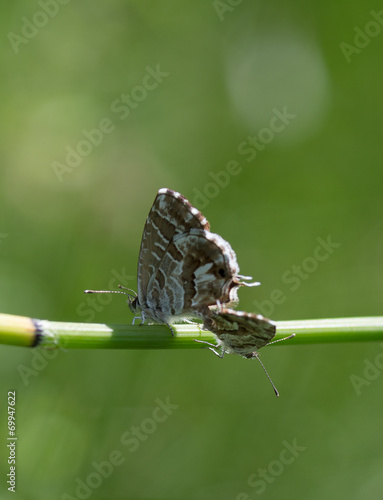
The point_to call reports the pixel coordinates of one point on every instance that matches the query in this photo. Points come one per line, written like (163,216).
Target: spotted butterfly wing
(183,267)
(240,332)
(171,214)
(197,271)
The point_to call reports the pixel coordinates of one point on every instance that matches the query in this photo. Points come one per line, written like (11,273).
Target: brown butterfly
(183,268)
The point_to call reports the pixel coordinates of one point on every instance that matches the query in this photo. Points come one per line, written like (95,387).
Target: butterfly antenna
(280,340)
(255,355)
(133,294)
(130,290)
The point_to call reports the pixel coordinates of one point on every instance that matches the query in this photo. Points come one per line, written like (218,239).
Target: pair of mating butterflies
(184,270)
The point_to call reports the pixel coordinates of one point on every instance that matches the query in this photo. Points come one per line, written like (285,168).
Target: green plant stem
(324,331)
(23,331)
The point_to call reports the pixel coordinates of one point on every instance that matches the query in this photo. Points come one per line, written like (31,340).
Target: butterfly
(239,332)
(183,268)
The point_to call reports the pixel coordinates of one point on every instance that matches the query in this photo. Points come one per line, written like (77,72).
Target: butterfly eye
(133,305)
(222,273)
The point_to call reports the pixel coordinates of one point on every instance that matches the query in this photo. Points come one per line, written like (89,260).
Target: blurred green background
(268,117)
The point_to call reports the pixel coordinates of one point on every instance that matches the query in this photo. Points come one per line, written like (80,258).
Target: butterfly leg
(141,317)
(211,347)
(190,322)
(170,328)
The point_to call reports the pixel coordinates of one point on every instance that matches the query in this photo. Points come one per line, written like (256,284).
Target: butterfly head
(132,299)
(133,304)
